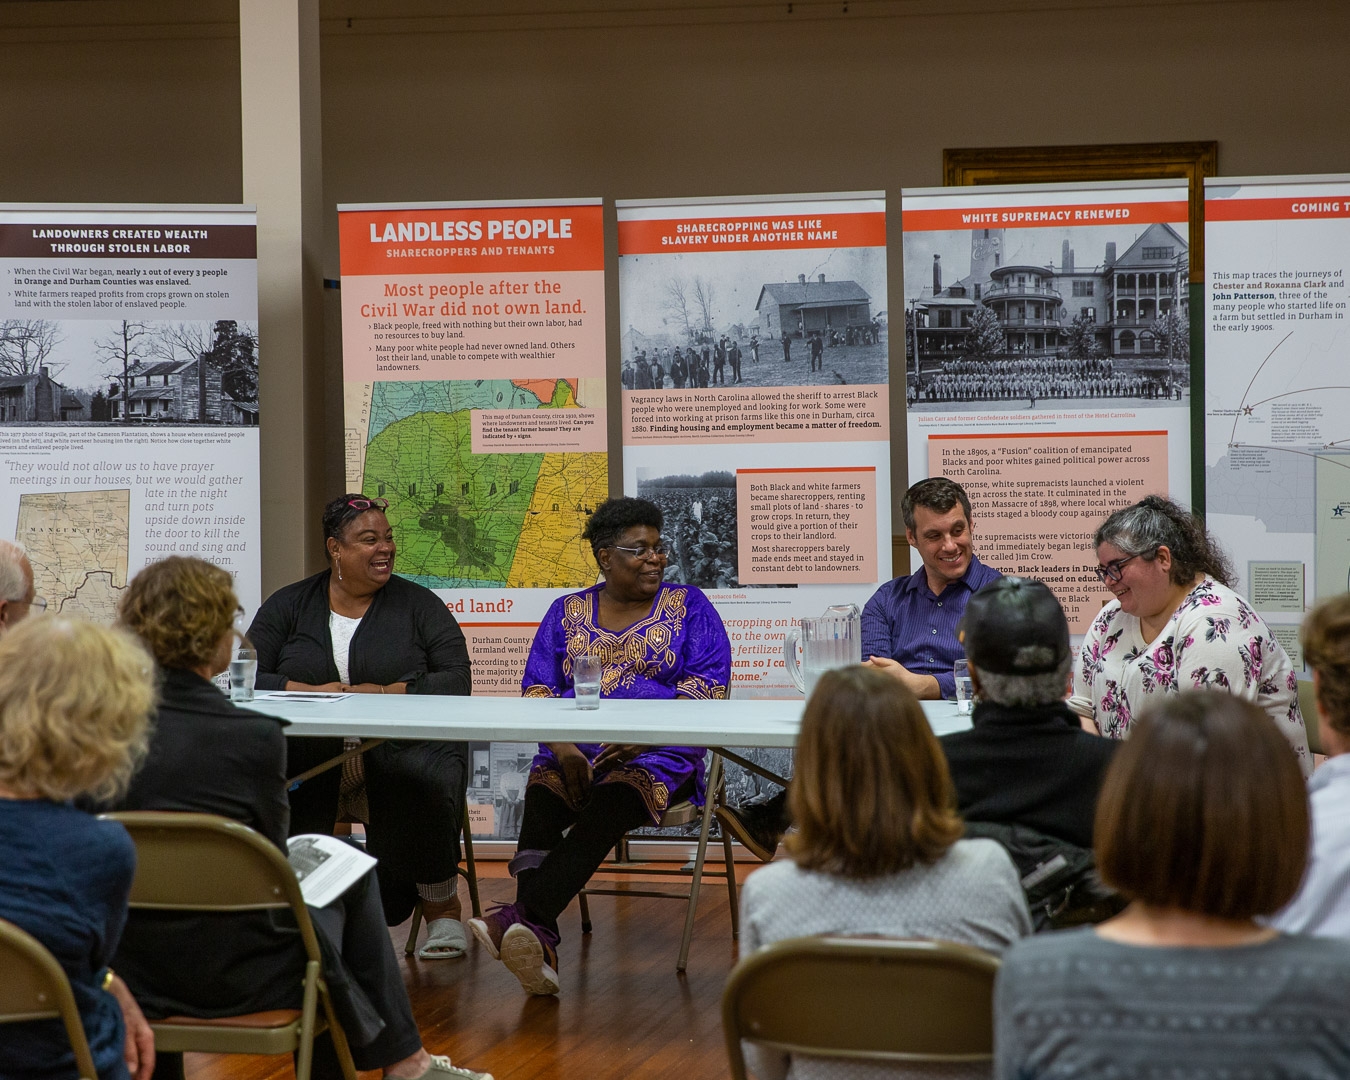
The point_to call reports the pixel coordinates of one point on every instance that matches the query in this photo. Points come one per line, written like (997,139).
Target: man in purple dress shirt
(909,625)
(908,629)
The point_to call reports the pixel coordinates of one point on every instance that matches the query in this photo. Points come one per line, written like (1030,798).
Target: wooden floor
(623,1011)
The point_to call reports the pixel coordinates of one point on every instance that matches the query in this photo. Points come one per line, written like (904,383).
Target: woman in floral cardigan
(1176,624)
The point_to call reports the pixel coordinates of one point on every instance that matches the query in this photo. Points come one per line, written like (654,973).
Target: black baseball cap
(1015,626)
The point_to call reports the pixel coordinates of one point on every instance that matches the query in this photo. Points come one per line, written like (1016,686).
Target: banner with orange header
(474,367)
(1047,363)
(755,360)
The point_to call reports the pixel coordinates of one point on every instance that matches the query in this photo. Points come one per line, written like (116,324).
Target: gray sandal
(446,940)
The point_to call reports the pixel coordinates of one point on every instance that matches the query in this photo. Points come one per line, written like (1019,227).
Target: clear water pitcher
(831,641)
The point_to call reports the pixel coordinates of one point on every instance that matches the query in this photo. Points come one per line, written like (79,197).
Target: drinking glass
(586,672)
(243,672)
(965,689)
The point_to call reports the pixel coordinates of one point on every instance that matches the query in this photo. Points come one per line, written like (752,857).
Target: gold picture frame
(1110,161)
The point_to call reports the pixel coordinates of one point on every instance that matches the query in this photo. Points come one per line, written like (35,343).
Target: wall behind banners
(705,105)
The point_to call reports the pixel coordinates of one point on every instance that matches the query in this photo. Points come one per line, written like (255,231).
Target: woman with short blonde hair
(878,849)
(75,700)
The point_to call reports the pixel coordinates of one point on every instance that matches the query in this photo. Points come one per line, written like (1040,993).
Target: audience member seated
(74,702)
(206,755)
(1026,760)
(908,629)
(655,641)
(1203,824)
(1176,624)
(877,849)
(1322,906)
(360,628)
(18,596)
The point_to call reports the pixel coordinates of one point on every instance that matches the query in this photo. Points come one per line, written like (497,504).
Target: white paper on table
(299,695)
(325,866)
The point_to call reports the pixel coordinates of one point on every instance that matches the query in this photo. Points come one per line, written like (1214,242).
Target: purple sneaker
(492,927)
(530,953)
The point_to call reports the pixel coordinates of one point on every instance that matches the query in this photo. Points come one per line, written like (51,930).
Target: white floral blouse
(1214,639)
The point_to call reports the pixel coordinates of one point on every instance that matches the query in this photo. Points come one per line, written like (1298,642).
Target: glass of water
(243,672)
(586,672)
(965,689)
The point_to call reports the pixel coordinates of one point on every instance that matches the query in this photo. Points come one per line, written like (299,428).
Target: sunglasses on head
(368,504)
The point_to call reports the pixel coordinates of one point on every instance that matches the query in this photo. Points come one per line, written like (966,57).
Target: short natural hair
(1326,648)
(12,583)
(180,607)
(75,703)
(937,494)
(1025,691)
(871,794)
(613,517)
(1156,520)
(1204,809)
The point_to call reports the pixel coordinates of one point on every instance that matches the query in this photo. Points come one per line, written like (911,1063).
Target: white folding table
(718,725)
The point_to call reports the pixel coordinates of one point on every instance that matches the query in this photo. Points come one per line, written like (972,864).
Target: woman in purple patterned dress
(1176,624)
(655,641)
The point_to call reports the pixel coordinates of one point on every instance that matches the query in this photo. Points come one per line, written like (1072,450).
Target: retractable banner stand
(128,394)
(474,364)
(1047,363)
(754,367)
(1277,390)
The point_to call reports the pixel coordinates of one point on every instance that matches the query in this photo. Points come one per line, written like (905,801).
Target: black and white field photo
(700,525)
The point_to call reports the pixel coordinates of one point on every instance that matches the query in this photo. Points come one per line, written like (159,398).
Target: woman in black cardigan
(207,755)
(359,628)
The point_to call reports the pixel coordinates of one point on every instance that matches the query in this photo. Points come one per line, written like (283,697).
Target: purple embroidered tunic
(680,649)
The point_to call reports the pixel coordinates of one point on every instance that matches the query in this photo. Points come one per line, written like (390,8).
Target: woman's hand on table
(377,688)
(310,688)
(613,755)
(575,769)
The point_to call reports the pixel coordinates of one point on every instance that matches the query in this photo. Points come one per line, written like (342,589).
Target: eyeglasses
(1110,572)
(368,504)
(644,552)
(37,603)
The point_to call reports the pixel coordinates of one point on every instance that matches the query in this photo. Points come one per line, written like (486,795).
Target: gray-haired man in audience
(18,598)
(1026,760)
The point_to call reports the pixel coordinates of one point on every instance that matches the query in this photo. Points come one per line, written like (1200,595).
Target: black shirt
(406,635)
(1035,767)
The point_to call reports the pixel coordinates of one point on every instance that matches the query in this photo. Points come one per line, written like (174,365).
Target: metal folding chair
(200,862)
(865,999)
(679,814)
(34,987)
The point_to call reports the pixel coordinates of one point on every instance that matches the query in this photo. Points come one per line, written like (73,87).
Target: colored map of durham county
(463,519)
(77,542)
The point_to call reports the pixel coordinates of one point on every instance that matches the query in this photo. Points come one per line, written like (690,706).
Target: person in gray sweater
(1203,824)
(877,851)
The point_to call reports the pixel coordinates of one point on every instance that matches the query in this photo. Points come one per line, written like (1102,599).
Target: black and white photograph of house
(727,319)
(1035,317)
(128,372)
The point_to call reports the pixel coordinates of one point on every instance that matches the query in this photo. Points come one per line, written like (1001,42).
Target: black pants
(363,977)
(611,811)
(415,792)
